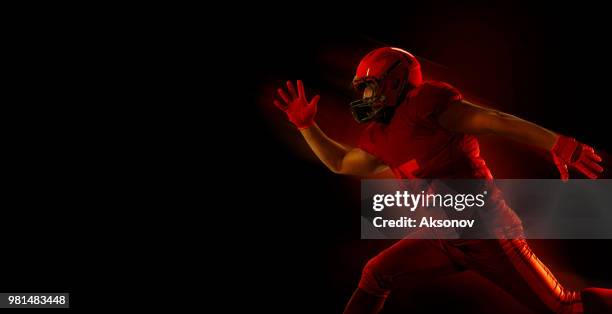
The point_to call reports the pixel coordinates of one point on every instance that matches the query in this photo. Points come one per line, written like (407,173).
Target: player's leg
(408,259)
(514,267)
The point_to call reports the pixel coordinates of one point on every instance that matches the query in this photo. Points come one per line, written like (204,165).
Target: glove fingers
(291,90)
(584,170)
(589,152)
(592,155)
(314,101)
(589,159)
(592,166)
(300,87)
(283,95)
(596,157)
(312,106)
(279,105)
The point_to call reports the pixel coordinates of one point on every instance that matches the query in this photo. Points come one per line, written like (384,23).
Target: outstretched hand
(581,157)
(299,110)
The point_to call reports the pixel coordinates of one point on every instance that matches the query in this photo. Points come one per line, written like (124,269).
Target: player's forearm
(330,152)
(522,131)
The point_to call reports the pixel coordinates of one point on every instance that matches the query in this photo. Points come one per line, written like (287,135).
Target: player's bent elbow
(348,171)
(341,170)
(336,168)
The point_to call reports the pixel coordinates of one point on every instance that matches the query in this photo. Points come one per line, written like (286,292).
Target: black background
(125,126)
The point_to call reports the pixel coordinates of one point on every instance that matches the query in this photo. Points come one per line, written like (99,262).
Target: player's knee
(371,267)
(372,281)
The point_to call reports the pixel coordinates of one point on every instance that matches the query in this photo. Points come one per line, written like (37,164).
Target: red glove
(298,109)
(569,152)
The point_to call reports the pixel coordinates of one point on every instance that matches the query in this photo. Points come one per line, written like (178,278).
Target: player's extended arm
(337,157)
(466,117)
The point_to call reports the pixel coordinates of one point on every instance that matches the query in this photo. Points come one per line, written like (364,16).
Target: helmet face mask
(372,102)
(383,78)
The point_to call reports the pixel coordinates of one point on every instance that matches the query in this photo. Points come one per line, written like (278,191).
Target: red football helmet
(390,73)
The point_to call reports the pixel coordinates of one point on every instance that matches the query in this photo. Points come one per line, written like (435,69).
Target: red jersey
(414,145)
